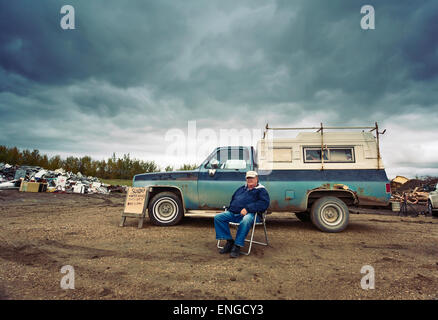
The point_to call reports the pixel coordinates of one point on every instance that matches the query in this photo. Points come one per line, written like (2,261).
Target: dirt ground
(41,232)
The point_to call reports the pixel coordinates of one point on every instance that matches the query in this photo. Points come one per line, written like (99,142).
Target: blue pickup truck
(315,176)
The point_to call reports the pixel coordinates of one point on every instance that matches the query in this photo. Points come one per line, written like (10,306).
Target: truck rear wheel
(165,209)
(329,214)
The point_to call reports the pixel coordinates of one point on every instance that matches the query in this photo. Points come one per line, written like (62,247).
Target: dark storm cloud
(308,46)
(112,41)
(153,65)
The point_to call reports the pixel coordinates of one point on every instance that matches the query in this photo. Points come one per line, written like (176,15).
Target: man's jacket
(254,200)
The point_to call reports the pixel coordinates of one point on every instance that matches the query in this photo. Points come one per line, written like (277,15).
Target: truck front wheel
(329,214)
(165,209)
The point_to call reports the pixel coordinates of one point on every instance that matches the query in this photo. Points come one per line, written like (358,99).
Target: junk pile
(415,190)
(37,179)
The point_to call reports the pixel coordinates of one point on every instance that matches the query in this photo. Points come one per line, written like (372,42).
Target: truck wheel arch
(348,196)
(156,189)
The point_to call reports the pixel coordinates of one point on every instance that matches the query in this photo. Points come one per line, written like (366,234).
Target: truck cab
(316,178)
(207,188)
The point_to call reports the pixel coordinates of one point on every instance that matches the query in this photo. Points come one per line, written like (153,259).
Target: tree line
(112,168)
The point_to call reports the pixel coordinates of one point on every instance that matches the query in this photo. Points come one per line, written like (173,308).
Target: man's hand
(243,212)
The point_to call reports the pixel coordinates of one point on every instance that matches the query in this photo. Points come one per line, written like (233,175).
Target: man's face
(251,182)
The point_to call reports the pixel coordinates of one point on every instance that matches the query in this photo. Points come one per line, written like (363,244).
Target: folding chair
(251,240)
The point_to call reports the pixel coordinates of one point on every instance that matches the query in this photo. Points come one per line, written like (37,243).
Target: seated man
(245,203)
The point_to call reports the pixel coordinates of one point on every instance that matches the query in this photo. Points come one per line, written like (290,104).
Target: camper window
(314,154)
(341,155)
(331,154)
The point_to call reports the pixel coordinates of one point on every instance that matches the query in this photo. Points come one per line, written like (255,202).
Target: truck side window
(231,159)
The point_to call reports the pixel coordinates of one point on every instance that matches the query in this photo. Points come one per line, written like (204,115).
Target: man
(245,203)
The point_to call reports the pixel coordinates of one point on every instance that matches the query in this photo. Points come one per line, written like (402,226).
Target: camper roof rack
(321,129)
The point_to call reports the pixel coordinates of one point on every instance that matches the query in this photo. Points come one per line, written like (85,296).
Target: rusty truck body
(316,175)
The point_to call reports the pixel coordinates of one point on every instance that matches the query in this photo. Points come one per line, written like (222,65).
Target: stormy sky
(133,74)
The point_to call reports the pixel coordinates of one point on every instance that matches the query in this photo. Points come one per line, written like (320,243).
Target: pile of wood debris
(415,190)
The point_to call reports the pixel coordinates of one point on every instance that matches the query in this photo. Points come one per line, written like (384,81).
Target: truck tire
(329,214)
(165,209)
(429,208)
(303,216)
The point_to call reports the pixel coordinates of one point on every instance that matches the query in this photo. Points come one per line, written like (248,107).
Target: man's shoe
(235,252)
(228,246)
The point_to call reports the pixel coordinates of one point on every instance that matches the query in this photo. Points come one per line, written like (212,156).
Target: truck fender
(347,195)
(155,189)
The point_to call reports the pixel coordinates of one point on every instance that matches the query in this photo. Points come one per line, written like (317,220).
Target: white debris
(40,174)
(9,185)
(79,188)
(96,184)
(60,171)
(57,180)
(60,183)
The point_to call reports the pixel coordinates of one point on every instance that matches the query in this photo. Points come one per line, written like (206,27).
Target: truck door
(221,174)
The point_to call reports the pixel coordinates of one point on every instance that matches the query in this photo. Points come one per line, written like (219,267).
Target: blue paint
(173,175)
(202,191)
(326,175)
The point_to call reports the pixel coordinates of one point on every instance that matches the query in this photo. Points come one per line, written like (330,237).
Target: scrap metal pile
(58,180)
(415,190)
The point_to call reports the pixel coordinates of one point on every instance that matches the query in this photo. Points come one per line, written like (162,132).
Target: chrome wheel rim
(332,214)
(165,209)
